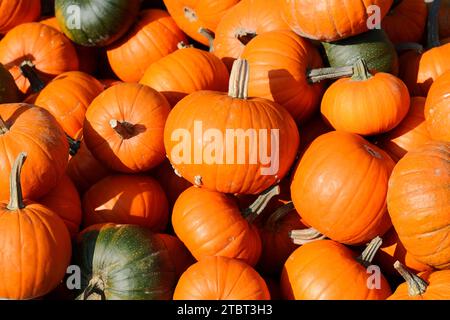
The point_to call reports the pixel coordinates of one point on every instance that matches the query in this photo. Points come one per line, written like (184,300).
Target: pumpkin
(444,19)
(124,262)
(34,242)
(220,278)
(124,199)
(326,20)
(192,15)
(98,22)
(279,62)
(36,132)
(34,53)
(373,46)
(406,21)
(154,35)
(67,98)
(64,200)
(426,286)
(9,93)
(327,270)
(108,83)
(16,12)
(177,75)
(349,105)
(437,108)
(419,203)
(181,257)
(221,114)
(124,128)
(242,23)
(411,133)
(340,188)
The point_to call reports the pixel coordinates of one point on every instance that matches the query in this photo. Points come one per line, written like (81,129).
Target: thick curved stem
(369,253)
(433,24)
(301,237)
(74,145)
(96,285)
(124,129)
(29,71)
(3,127)
(239,78)
(279,214)
(255,209)
(208,34)
(361,71)
(416,285)
(15,186)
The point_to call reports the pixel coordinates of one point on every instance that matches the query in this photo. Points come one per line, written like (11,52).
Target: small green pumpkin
(9,93)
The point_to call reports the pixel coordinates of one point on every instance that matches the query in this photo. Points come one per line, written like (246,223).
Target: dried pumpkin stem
(409,46)
(301,237)
(416,285)
(74,145)
(96,285)
(322,74)
(361,71)
(3,127)
(208,34)
(433,24)
(28,70)
(184,45)
(255,209)
(369,253)
(239,78)
(124,129)
(15,186)
(279,214)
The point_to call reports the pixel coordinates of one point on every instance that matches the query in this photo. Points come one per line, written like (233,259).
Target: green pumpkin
(124,262)
(9,93)
(96,23)
(373,46)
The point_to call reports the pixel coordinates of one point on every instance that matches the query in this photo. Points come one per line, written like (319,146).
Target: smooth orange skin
(177,75)
(358,107)
(35,131)
(219,278)
(36,251)
(437,108)
(49,50)
(340,188)
(64,200)
(438,284)
(251,16)
(327,270)
(208,13)
(211,224)
(139,105)
(154,36)
(16,12)
(279,61)
(126,199)
(419,203)
(410,134)
(67,98)
(327,20)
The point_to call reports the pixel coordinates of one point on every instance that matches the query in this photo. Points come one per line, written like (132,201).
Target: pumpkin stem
(15,187)
(124,129)
(208,34)
(361,71)
(184,45)
(416,285)
(301,237)
(433,24)
(409,46)
(369,253)
(190,14)
(255,209)
(239,77)
(74,145)
(279,214)
(96,285)
(3,127)
(395,4)
(245,36)
(319,75)
(29,71)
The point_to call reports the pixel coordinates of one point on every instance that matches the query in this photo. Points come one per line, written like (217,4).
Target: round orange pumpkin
(16,12)
(437,108)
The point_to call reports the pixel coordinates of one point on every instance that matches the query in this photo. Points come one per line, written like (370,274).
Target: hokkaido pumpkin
(419,203)
(36,132)
(34,242)
(154,35)
(9,93)
(124,128)
(16,12)
(227,166)
(340,188)
(220,278)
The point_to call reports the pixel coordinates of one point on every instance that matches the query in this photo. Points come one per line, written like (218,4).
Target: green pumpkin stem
(97,286)
(416,285)
(370,252)
(208,34)
(239,78)
(3,127)
(409,46)
(319,75)
(29,71)
(301,237)
(74,145)
(433,24)
(255,209)
(123,129)
(279,214)
(15,186)
(361,71)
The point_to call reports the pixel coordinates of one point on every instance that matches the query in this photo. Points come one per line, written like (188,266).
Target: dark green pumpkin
(9,93)
(373,46)
(96,23)
(124,262)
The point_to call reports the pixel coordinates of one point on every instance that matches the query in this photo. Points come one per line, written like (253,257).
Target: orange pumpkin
(220,278)
(340,188)
(419,203)
(124,128)
(154,35)
(16,12)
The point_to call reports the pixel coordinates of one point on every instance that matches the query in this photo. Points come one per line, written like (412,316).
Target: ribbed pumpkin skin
(67,98)
(134,262)
(154,36)
(8,89)
(219,278)
(49,50)
(438,284)
(340,188)
(279,61)
(406,22)
(437,108)
(177,75)
(327,270)
(210,223)
(35,131)
(327,20)
(419,203)
(126,199)
(191,15)
(16,12)
(248,16)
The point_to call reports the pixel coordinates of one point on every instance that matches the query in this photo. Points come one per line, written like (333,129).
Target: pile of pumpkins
(95,204)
